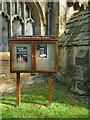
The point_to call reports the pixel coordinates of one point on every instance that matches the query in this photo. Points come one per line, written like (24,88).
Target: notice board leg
(50,88)
(18,89)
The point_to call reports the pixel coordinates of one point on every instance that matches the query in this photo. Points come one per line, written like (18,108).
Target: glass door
(22,56)
(45,56)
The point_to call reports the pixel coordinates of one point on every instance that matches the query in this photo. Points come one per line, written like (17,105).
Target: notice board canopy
(33,54)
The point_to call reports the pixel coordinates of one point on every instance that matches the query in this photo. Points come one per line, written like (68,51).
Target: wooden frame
(27,47)
(33,41)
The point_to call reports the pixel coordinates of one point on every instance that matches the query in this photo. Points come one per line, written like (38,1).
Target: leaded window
(16,20)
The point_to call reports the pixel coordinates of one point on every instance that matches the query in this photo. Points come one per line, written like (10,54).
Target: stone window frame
(7,14)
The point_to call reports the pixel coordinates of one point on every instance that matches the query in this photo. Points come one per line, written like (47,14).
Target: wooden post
(18,89)
(50,88)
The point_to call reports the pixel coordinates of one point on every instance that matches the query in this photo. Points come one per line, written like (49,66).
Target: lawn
(34,104)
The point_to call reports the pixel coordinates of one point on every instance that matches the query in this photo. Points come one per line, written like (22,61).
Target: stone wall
(67,10)
(54,20)
(68,67)
(65,14)
(7,79)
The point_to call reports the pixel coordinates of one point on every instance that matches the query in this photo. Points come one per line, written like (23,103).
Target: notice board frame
(33,40)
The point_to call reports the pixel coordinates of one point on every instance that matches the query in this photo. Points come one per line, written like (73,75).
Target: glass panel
(0,33)
(27,12)
(16,28)
(13,8)
(29,29)
(45,56)
(21,56)
(20,9)
(4,35)
(5,7)
(0,5)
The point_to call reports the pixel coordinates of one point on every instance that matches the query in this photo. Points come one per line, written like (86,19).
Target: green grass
(34,104)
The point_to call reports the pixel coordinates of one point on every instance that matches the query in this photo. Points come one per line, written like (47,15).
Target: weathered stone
(6,70)
(5,63)
(5,55)
(75,61)
(3,77)
(65,80)
(59,15)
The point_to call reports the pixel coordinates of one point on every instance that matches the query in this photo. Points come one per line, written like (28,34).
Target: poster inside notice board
(41,50)
(21,54)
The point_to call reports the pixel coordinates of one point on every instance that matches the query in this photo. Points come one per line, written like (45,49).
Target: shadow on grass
(9,101)
(39,95)
(39,103)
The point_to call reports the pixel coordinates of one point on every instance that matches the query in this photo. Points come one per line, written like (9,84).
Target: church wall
(67,57)
(7,79)
(66,54)
(67,67)
(54,21)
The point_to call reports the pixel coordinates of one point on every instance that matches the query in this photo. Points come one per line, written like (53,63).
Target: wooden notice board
(33,54)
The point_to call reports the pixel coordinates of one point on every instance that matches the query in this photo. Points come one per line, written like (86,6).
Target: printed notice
(41,50)
(21,54)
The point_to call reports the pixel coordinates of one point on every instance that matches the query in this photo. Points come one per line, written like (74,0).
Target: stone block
(12,75)
(65,80)
(6,70)
(4,55)
(3,77)
(5,63)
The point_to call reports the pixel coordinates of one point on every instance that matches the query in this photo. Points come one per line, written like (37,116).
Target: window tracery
(15,22)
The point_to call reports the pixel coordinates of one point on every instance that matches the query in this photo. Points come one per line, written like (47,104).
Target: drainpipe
(49,4)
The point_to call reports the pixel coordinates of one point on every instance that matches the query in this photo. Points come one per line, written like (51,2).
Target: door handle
(33,56)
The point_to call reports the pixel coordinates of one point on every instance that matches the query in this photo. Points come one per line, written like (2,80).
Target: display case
(33,54)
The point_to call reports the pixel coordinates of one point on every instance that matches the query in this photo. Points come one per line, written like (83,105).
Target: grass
(34,104)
